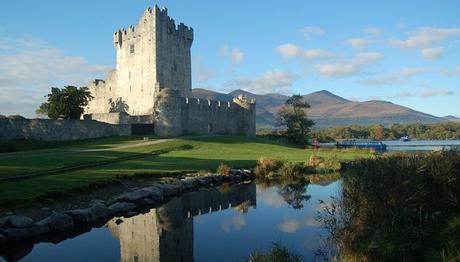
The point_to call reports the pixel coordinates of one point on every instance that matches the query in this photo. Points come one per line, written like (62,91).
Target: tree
(66,103)
(293,115)
(378,132)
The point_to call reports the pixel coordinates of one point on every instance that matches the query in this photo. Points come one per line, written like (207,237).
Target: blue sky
(407,52)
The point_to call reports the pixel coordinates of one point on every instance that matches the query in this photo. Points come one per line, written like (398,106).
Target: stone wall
(47,129)
(176,115)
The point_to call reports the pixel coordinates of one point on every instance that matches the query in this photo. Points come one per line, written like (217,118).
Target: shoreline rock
(18,228)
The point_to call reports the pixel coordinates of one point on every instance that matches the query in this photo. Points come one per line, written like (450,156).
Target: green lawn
(185,154)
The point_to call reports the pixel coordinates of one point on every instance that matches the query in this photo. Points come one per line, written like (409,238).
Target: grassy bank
(398,207)
(178,155)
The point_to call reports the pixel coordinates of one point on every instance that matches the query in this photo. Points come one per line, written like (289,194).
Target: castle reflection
(166,233)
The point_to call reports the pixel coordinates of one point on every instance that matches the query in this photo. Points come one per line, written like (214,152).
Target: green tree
(293,115)
(66,103)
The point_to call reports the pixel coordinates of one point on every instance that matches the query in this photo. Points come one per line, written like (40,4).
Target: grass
(179,155)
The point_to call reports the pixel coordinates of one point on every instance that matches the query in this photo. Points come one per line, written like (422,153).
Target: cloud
(358,42)
(235,55)
(428,92)
(374,31)
(348,68)
(290,50)
(31,66)
(453,72)
(274,81)
(308,31)
(202,72)
(394,78)
(432,53)
(292,225)
(236,223)
(425,37)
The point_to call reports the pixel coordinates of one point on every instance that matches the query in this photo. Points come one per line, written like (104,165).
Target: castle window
(131,49)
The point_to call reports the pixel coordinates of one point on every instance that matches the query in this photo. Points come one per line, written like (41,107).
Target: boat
(405,139)
(369,144)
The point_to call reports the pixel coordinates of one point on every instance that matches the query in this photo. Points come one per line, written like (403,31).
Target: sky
(406,52)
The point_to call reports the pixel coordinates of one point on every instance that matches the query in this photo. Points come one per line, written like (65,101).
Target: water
(421,145)
(223,224)
(416,145)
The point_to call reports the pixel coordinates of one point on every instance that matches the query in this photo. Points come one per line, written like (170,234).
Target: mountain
(452,118)
(328,109)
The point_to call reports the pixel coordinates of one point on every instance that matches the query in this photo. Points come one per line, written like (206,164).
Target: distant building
(151,85)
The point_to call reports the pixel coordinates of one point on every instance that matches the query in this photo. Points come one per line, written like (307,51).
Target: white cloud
(307,31)
(394,78)
(453,72)
(202,72)
(425,37)
(274,81)
(235,223)
(235,55)
(29,67)
(429,92)
(358,42)
(290,50)
(432,53)
(292,225)
(348,68)
(374,31)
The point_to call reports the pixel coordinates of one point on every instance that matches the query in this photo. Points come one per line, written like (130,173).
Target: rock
(2,239)
(81,216)
(99,210)
(18,222)
(38,230)
(155,193)
(121,207)
(190,184)
(148,202)
(45,208)
(57,222)
(134,196)
(9,213)
(16,234)
(170,189)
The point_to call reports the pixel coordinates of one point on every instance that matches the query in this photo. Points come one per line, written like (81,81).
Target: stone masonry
(152,84)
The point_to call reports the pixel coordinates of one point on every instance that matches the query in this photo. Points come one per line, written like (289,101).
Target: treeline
(439,131)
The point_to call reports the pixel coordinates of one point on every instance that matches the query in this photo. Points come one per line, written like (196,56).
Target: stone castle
(151,87)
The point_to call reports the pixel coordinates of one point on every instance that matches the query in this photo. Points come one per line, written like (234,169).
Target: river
(221,224)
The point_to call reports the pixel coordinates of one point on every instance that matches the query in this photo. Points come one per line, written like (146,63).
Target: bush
(399,207)
(276,253)
(267,167)
(223,169)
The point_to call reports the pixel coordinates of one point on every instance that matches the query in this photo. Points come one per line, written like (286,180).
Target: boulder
(121,207)
(170,189)
(99,210)
(16,234)
(190,184)
(38,230)
(81,216)
(153,192)
(18,222)
(57,222)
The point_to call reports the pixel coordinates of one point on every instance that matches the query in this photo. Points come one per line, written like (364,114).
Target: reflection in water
(166,233)
(177,232)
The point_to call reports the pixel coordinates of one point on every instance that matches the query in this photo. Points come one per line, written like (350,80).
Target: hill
(328,109)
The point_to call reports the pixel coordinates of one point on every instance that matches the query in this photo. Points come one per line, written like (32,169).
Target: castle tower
(153,53)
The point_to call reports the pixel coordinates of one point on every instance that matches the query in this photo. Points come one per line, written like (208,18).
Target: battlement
(153,18)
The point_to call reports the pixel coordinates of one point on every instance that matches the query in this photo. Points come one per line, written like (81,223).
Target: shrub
(223,169)
(399,207)
(276,253)
(267,166)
